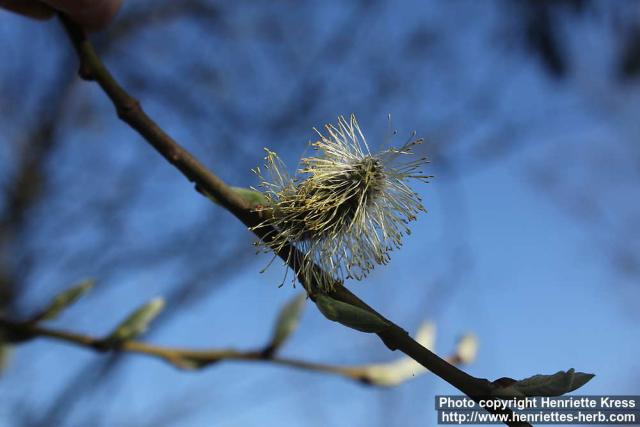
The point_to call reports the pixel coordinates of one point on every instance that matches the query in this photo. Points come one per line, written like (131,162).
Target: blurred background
(529,110)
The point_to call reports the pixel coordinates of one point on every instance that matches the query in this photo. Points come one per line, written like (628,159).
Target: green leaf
(350,315)
(137,322)
(543,385)
(287,320)
(64,299)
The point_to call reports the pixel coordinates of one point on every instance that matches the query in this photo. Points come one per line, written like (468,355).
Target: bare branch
(191,359)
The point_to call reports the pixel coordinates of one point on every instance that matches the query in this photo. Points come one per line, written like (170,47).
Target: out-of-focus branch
(25,188)
(130,111)
(190,359)
(161,14)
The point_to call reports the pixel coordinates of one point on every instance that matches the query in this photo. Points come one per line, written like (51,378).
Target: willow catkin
(347,208)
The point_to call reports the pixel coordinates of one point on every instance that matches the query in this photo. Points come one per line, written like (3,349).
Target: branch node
(128,109)
(390,339)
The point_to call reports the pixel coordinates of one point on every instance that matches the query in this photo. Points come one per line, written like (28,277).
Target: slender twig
(184,358)
(129,110)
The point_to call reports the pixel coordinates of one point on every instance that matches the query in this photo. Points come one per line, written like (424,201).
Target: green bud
(64,299)
(350,315)
(542,385)
(252,197)
(137,322)
(287,320)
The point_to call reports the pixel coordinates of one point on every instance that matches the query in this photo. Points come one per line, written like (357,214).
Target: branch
(130,111)
(191,359)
